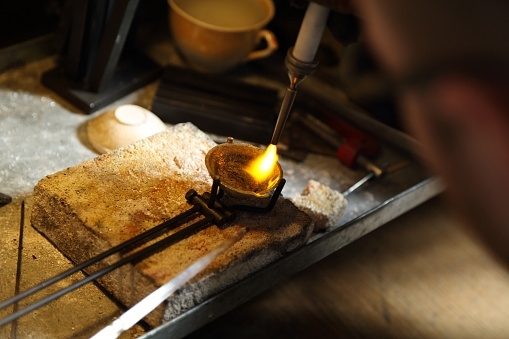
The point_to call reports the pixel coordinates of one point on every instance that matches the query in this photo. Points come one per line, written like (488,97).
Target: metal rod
(284,112)
(359,183)
(375,174)
(174,238)
(213,192)
(150,302)
(170,224)
(14,327)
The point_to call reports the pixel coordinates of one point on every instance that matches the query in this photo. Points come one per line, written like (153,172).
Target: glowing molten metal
(262,167)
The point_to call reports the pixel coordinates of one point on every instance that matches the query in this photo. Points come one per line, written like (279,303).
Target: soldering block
(87,209)
(323,204)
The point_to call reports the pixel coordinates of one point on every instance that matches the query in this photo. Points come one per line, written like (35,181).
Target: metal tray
(369,207)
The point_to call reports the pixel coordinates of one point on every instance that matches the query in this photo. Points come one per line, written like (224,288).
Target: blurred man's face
(461,119)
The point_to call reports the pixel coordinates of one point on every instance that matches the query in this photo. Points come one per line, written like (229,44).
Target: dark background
(27,19)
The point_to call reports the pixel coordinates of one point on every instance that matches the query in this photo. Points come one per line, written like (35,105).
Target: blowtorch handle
(300,60)
(311,32)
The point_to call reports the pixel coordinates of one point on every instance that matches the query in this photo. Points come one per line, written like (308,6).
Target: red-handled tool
(352,150)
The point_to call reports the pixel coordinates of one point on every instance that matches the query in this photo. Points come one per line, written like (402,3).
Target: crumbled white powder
(323,204)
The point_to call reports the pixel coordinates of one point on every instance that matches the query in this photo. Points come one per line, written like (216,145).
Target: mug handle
(272,45)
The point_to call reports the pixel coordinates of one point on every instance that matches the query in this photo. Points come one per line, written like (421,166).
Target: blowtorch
(300,60)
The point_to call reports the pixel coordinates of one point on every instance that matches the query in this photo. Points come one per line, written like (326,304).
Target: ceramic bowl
(122,126)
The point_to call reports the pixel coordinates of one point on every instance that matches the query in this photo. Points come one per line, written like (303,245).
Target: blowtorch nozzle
(300,60)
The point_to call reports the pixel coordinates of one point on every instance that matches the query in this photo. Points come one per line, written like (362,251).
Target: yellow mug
(215,36)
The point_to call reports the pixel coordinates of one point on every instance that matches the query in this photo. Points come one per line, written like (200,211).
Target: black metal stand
(131,74)
(96,68)
(211,204)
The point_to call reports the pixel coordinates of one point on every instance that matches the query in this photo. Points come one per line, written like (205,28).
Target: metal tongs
(207,205)
(149,303)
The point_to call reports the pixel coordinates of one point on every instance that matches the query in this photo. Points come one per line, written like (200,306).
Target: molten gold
(262,167)
(228,163)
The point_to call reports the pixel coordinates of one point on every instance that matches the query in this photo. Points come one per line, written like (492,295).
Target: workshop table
(418,276)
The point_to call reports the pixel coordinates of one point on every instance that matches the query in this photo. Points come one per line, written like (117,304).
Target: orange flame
(262,167)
